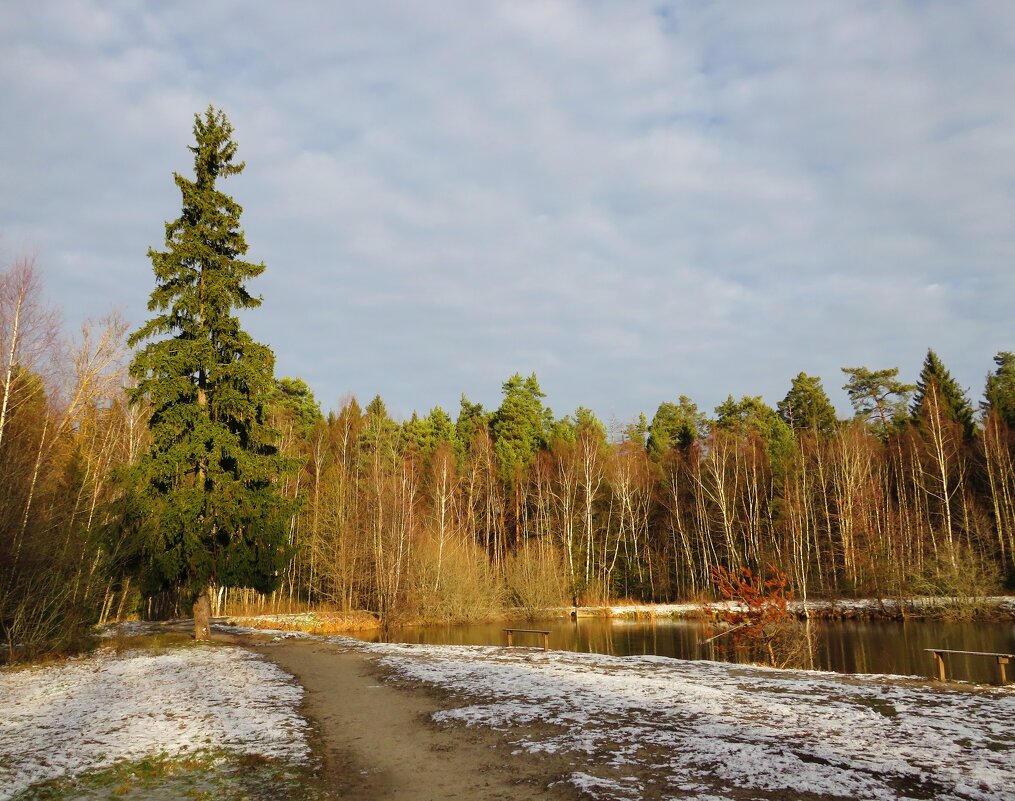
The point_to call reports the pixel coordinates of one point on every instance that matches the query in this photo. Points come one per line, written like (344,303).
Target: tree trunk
(202,616)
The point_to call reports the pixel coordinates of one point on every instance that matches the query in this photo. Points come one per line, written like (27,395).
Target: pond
(842,646)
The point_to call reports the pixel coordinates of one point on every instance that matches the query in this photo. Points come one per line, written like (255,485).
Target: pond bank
(999,607)
(994,608)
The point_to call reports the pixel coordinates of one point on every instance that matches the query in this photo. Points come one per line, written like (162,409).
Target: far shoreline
(987,609)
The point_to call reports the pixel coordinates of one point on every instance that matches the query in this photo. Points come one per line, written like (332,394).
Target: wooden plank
(970,653)
(1002,660)
(509,633)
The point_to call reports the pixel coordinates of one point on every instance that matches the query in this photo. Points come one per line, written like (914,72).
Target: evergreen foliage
(637,431)
(207,510)
(585,420)
(806,405)
(294,401)
(521,425)
(954,403)
(472,419)
(999,395)
(675,425)
(422,435)
(379,434)
(878,397)
(751,415)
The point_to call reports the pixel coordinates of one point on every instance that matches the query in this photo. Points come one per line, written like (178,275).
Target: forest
(441,518)
(451,516)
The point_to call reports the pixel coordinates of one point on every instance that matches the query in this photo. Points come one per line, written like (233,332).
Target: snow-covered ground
(628,727)
(665,728)
(652,727)
(92,712)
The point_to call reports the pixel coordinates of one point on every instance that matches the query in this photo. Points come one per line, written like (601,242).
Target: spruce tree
(806,405)
(999,394)
(954,403)
(207,511)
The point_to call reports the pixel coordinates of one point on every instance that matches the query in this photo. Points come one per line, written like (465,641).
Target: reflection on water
(843,646)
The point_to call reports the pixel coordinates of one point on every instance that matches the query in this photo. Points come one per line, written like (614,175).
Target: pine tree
(423,435)
(999,395)
(472,419)
(674,425)
(878,397)
(954,403)
(637,431)
(520,427)
(806,405)
(751,415)
(207,511)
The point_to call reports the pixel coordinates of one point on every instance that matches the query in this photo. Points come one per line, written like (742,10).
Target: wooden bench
(511,632)
(1002,660)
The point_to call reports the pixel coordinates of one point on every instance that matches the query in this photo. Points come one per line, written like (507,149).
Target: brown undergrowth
(320,622)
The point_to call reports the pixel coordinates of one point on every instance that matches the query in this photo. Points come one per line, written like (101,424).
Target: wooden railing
(1002,660)
(511,632)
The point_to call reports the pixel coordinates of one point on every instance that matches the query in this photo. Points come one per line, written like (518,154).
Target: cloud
(635,200)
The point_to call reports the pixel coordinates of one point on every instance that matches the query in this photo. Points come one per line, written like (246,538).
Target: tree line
(148,472)
(912,496)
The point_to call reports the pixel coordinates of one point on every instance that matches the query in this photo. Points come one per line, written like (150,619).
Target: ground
(380,742)
(381,721)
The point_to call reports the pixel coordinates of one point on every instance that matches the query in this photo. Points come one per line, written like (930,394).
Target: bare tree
(28,332)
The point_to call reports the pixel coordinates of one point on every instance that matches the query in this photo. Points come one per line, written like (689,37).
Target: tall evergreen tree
(878,397)
(954,403)
(208,511)
(521,424)
(520,428)
(999,395)
(806,405)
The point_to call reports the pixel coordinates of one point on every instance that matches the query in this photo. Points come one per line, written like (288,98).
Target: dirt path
(378,741)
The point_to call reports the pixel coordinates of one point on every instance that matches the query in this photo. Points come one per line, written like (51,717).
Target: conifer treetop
(210,511)
(935,377)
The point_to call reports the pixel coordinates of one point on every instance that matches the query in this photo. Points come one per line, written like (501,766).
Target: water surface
(842,646)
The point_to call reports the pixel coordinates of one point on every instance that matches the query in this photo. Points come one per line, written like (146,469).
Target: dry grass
(450,584)
(534,581)
(322,621)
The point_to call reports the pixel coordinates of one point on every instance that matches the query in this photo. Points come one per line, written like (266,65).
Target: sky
(634,200)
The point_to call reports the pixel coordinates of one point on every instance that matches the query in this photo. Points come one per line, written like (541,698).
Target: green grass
(194,777)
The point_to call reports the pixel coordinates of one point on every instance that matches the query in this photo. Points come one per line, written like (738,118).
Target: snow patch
(90,713)
(712,726)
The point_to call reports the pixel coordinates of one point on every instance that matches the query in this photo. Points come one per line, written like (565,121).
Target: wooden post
(509,636)
(546,647)
(939,657)
(1001,662)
